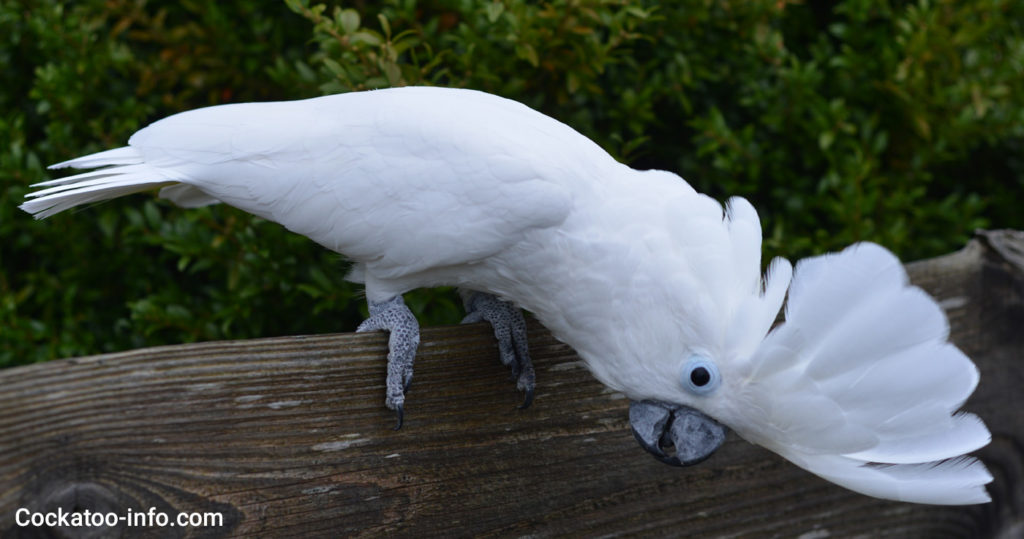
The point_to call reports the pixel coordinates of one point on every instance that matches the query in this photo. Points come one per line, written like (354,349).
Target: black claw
(400,412)
(528,400)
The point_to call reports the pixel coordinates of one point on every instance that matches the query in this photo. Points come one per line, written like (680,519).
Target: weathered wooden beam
(289,437)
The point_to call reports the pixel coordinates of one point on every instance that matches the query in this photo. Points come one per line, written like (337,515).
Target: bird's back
(402,179)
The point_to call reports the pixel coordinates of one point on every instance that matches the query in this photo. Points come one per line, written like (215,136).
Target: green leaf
(825,139)
(393,73)
(493,11)
(348,20)
(365,37)
(525,51)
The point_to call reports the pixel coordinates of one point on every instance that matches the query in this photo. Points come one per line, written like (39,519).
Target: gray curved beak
(675,434)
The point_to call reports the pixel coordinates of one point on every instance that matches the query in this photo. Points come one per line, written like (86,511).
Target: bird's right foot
(510,331)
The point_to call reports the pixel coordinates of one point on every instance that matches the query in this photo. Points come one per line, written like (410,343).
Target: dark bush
(898,122)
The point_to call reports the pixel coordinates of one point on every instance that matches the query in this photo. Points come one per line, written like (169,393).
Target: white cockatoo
(657,287)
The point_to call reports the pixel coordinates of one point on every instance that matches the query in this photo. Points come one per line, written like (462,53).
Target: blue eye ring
(700,376)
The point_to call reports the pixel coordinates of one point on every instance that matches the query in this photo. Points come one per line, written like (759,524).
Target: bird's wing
(861,386)
(400,180)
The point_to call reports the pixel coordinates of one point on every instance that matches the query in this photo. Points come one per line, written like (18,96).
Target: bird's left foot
(395,317)
(510,330)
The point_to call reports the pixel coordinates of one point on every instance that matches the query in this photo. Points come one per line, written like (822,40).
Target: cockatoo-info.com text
(655,286)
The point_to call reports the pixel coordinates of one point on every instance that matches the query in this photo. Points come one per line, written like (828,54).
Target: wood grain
(289,437)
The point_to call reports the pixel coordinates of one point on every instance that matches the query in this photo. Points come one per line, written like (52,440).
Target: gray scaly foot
(393,316)
(510,330)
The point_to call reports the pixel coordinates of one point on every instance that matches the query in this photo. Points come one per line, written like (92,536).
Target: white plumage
(860,385)
(635,270)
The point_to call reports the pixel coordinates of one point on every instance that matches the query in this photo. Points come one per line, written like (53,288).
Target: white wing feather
(860,385)
(394,179)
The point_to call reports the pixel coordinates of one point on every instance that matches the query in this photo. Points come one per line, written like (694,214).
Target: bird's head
(859,384)
(680,345)
(674,419)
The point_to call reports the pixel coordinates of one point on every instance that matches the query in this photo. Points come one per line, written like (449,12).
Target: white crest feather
(860,385)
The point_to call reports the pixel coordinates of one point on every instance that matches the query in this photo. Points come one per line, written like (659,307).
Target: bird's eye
(700,375)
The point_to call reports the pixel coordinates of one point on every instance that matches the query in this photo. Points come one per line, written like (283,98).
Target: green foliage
(81,78)
(893,121)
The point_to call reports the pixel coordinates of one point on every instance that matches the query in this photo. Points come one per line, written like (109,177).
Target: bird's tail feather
(125,155)
(126,173)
